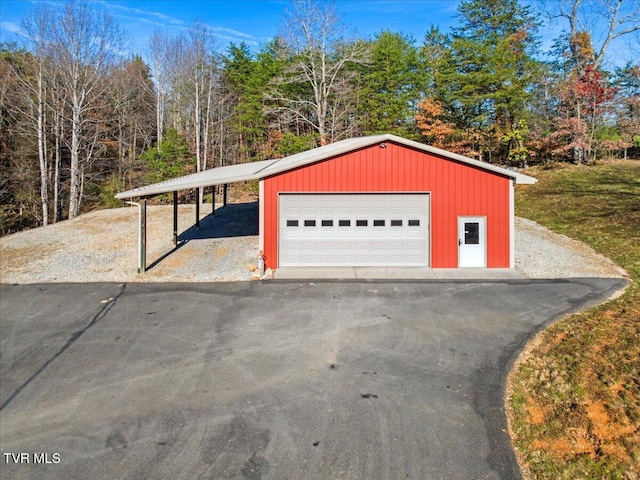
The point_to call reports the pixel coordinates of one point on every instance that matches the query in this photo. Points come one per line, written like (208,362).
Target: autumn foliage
(433,128)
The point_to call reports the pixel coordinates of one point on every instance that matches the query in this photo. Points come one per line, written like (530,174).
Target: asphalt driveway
(272,380)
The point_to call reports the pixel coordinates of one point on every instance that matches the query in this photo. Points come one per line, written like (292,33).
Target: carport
(208,178)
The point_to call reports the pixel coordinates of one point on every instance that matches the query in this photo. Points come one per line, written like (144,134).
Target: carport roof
(258,170)
(215,176)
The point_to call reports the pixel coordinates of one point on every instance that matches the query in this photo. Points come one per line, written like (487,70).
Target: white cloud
(234,33)
(139,19)
(236,39)
(140,14)
(10,30)
(12,27)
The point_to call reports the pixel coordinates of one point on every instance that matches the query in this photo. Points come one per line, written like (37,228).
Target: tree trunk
(207,123)
(56,175)
(159,118)
(44,184)
(75,188)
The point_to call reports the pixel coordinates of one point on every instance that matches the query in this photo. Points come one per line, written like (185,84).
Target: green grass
(574,402)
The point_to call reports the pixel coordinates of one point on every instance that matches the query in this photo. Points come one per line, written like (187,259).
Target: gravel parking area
(101,246)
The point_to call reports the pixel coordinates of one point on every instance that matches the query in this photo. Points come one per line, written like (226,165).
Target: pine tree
(245,88)
(490,69)
(390,86)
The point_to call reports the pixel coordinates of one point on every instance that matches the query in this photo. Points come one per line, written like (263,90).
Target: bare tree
(133,102)
(85,45)
(592,27)
(320,60)
(602,20)
(159,47)
(203,76)
(58,135)
(34,89)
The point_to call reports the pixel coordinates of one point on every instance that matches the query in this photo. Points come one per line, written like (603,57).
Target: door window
(471,233)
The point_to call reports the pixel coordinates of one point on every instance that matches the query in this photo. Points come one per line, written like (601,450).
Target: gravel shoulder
(541,253)
(101,246)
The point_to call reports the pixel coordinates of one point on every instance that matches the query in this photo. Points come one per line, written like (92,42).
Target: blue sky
(255,22)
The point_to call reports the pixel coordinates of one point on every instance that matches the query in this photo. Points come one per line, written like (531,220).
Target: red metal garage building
(380,200)
(385,200)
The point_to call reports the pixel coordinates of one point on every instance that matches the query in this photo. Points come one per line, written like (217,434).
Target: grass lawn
(574,396)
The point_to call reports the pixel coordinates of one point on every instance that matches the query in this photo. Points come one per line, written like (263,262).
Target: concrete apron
(397,273)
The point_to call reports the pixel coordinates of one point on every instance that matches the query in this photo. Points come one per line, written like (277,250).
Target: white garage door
(354,229)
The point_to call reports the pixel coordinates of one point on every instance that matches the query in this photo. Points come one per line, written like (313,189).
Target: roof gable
(345,146)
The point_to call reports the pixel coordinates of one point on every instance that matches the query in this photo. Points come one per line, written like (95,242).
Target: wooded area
(79,121)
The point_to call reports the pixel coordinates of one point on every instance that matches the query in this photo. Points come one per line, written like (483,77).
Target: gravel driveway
(101,246)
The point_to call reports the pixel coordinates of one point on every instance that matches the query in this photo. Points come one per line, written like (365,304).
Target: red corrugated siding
(456,190)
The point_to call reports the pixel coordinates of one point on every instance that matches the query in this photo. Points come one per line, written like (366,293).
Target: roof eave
(167,188)
(520,178)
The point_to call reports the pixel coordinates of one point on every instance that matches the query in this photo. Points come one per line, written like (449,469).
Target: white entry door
(472,242)
(355,229)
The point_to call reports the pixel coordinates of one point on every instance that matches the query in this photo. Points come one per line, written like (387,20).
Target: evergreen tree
(170,160)
(432,57)
(490,69)
(245,89)
(390,86)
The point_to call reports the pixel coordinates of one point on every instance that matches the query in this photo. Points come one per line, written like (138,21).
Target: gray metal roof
(267,168)
(214,176)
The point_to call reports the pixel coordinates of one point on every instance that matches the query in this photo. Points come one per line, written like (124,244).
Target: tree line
(81,120)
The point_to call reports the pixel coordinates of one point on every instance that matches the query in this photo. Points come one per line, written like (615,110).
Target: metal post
(175,219)
(224,195)
(140,229)
(197,208)
(143,236)
(213,199)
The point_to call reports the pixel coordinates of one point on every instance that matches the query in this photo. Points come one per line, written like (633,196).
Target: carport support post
(224,195)
(142,257)
(197,208)
(175,218)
